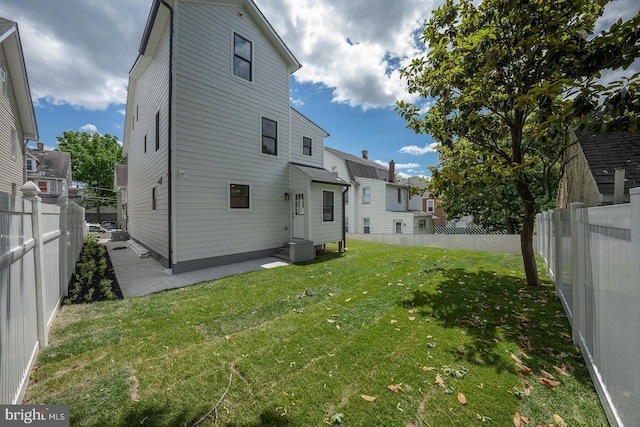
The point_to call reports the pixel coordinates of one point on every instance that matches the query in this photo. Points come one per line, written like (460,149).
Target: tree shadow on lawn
(494,308)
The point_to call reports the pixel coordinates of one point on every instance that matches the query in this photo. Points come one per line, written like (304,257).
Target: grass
(314,344)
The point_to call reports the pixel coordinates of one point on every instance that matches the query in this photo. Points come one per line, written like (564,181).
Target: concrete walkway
(139,275)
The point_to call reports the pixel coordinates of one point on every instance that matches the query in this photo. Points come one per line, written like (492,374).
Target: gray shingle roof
(319,174)
(359,167)
(6,25)
(610,151)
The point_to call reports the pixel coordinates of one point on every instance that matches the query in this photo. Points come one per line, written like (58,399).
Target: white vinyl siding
(218,136)
(12,158)
(325,231)
(303,127)
(148,166)
(392,203)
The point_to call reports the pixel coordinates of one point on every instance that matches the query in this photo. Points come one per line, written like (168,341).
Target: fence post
(63,247)
(577,273)
(30,191)
(557,248)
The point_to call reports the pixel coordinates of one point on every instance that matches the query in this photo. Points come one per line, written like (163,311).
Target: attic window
(242,52)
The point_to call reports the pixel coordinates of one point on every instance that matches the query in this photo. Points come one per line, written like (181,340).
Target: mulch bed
(83,293)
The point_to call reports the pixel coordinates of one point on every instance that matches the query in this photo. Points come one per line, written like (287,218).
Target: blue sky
(78,55)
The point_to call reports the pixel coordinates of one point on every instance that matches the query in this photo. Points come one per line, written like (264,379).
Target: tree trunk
(526,233)
(528,254)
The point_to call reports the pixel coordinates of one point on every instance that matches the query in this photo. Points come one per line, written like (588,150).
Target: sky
(78,55)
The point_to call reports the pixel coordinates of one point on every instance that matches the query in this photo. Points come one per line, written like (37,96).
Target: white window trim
(234,210)
(433,208)
(364,198)
(5,83)
(233,54)
(334,206)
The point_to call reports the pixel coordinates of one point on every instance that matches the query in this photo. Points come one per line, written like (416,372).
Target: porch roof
(317,174)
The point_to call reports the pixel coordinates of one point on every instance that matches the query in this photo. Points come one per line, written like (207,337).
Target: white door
(298,216)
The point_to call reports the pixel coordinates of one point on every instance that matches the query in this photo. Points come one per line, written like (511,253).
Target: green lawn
(378,336)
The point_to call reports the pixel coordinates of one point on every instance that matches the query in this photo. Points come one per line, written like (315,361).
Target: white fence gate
(593,255)
(39,245)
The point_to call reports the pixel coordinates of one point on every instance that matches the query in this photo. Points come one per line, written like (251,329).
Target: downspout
(169,130)
(344,216)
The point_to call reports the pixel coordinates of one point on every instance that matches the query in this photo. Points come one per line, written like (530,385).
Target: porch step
(283,253)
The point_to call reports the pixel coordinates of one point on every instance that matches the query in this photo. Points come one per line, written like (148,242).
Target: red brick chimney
(365,154)
(392,171)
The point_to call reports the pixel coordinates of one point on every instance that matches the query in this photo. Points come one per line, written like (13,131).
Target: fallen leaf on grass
(516,358)
(347,300)
(227,337)
(368,398)
(527,389)
(428,368)
(547,374)
(412,318)
(559,421)
(439,380)
(394,321)
(331,321)
(523,369)
(395,388)
(549,383)
(561,371)
(517,420)
(469,322)
(462,399)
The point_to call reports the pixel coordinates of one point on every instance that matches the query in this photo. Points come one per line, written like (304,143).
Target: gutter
(145,39)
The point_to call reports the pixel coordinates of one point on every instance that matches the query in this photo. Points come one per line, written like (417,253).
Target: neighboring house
(120,187)
(220,168)
(426,201)
(593,164)
(375,202)
(17,118)
(50,171)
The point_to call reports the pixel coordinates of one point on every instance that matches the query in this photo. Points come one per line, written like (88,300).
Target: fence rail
(39,245)
(593,256)
(504,243)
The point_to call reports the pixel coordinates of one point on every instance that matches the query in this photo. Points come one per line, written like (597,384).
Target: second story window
(14,144)
(306,146)
(157,130)
(269,137)
(399,195)
(431,205)
(366,195)
(242,61)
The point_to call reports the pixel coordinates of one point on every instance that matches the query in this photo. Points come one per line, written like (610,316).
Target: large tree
(469,183)
(93,159)
(502,76)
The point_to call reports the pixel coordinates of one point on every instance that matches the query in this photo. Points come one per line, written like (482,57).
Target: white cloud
(89,128)
(398,165)
(419,151)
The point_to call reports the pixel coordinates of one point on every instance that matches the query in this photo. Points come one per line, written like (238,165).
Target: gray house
(220,168)
(597,164)
(50,170)
(17,118)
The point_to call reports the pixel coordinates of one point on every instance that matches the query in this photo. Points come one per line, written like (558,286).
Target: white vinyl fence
(39,245)
(593,255)
(504,243)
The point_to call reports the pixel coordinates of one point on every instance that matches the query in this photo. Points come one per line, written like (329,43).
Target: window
(30,167)
(346,225)
(137,113)
(42,186)
(367,226)
(4,82)
(346,197)
(238,196)
(399,195)
(431,205)
(145,143)
(269,137)
(327,206)
(157,130)
(366,195)
(422,223)
(299,204)
(154,200)
(14,144)
(306,146)
(242,57)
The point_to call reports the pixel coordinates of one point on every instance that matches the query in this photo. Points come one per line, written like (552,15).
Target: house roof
(53,164)
(607,152)
(317,174)
(10,40)
(359,167)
